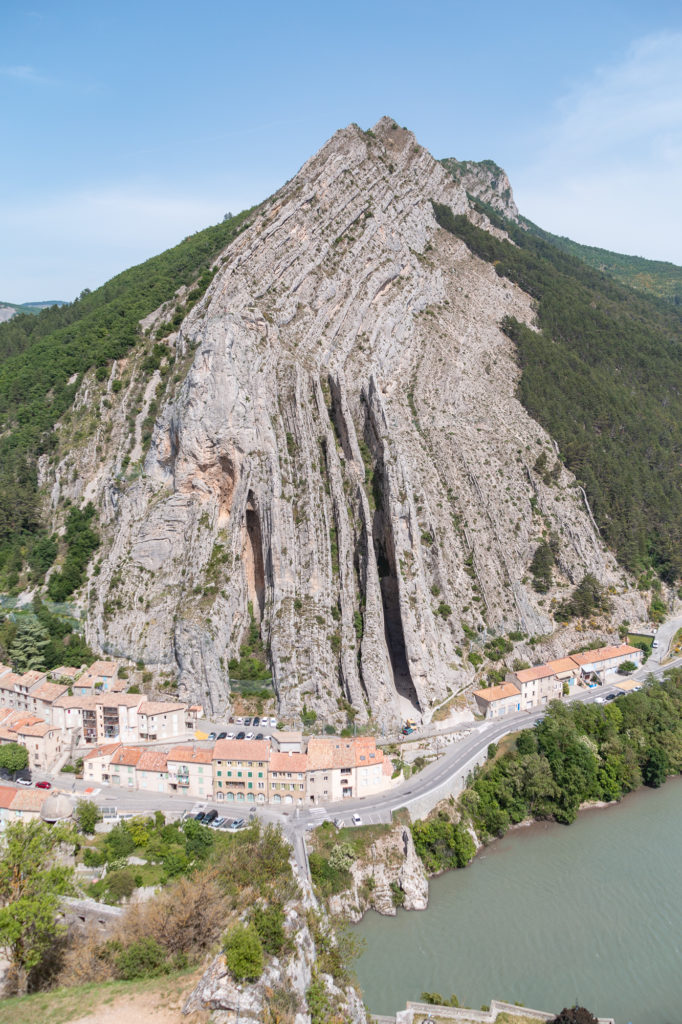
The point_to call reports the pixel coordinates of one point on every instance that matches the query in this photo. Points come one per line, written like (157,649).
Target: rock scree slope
(346,468)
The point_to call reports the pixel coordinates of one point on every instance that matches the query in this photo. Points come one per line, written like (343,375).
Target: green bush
(243,952)
(144,958)
(269,923)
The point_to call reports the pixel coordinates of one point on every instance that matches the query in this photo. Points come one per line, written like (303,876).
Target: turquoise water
(548,916)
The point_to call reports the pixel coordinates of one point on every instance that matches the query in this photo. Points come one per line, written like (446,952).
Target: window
(219,774)
(260,775)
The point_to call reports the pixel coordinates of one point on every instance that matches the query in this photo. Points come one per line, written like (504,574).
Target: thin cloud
(609,168)
(24,73)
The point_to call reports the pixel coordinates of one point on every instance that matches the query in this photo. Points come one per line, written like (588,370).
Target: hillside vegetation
(603,376)
(43,359)
(653,276)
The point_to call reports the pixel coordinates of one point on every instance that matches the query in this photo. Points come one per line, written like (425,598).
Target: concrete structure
(57,807)
(240,770)
(287,741)
(497,701)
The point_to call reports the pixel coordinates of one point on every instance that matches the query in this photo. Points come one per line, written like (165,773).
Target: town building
(339,768)
(42,741)
(123,767)
(604,659)
(97,763)
(500,700)
(20,804)
(152,771)
(160,720)
(287,777)
(537,685)
(240,770)
(190,771)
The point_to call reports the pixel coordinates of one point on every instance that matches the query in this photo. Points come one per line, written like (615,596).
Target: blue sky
(125,126)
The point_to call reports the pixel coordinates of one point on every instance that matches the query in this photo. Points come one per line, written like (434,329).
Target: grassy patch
(66,1004)
(327,836)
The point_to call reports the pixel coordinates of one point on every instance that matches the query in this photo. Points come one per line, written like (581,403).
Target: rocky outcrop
(487,181)
(284,983)
(339,456)
(391,874)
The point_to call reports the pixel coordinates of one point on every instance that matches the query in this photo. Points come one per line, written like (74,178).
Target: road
(453,766)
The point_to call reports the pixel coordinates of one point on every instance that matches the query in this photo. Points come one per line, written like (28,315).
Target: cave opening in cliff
(252,555)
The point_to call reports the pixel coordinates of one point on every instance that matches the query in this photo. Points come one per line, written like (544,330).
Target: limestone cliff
(337,451)
(485,180)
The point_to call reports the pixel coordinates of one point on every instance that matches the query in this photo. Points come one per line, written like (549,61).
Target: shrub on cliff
(243,952)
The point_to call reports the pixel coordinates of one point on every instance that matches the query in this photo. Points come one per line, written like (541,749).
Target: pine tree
(28,649)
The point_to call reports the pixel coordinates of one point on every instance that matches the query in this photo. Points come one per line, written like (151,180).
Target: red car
(43,785)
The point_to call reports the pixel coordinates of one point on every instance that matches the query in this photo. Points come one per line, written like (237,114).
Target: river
(549,916)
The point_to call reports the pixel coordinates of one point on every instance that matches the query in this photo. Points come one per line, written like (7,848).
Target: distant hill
(10,309)
(653,276)
(487,182)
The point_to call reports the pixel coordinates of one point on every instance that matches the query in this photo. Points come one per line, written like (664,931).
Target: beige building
(190,771)
(538,685)
(240,770)
(20,804)
(151,771)
(604,659)
(340,769)
(97,763)
(287,777)
(123,767)
(42,741)
(497,701)
(160,720)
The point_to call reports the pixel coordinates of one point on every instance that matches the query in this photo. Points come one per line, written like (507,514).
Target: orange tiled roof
(32,677)
(7,682)
(102,751)
(601,654)
(29,799)
(103,668)
(49,691)
(191,755)
(153,761)
(127,755)
(241,750)
(82,701)
(7,794)
(333,752)
(36,729)
(562,665)
(159,707)
(281,761)
(493,693)
(528,675)
(4,669)
(65,670)
(128,700)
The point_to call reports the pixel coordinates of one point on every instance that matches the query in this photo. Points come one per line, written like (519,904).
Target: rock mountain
(340,461)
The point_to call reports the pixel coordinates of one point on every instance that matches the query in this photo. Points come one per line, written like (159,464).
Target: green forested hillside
(604,376)
(654,276)
(43,359)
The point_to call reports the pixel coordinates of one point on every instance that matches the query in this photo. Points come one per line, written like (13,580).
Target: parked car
(43,785)
(256,720)
(249,735)
(217,822)
(599,700)
(239,720)
(200,816)
(230,735)
(654,643)
(210,816)
(241,736)
(338,822)
(211,736)
(357,820)
(23,782)
(610,696)
(247,721)
(273,723)
(636,688)
(222,736)
(260,736)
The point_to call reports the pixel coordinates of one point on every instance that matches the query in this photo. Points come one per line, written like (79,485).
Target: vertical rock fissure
(384,547)
(254,567)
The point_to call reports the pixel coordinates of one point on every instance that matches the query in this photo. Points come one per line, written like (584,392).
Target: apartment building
(287,777)
(20,804)
(537,685)
(160,720)
(190,771)
(240,770)
(340,769)
(42,741)
(500,700)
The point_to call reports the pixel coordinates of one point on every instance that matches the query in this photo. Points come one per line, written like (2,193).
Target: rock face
(391,862)
(346,461)
(485,180)
(249,1003)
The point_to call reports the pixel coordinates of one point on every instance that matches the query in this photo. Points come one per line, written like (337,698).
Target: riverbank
(592,913)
